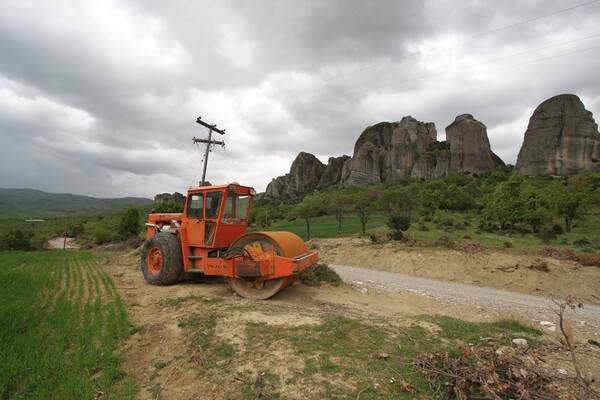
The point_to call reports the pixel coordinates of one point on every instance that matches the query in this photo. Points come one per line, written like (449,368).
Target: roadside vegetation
(498,209)
(62,325)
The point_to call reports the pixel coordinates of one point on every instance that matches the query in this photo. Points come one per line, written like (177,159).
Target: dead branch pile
(492,373)
(588,260)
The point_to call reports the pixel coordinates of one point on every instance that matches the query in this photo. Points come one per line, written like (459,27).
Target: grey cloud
(108,92)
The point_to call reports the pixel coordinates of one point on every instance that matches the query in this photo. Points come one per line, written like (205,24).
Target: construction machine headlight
(252,192)
(232,188)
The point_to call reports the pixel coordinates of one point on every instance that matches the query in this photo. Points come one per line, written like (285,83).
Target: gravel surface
(58,243)
(538,309)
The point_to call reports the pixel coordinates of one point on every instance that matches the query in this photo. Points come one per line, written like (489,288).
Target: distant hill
(30,203)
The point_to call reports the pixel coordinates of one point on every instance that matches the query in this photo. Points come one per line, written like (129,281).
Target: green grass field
(61,324)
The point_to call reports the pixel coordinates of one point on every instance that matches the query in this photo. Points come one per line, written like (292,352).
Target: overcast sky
(100,98)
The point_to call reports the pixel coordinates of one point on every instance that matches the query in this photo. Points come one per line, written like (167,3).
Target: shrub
(321,273)
(397,224)
(558,229)
(169,207)
(102,236)
(583,242)
(446,241)
(546,236)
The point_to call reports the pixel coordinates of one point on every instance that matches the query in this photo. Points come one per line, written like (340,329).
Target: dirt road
(58,243)
(451,294)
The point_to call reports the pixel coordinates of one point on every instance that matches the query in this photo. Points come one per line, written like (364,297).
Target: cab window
(195,206)
(213,201)
(236,209)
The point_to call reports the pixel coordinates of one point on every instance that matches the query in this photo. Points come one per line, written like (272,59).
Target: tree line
(503,198)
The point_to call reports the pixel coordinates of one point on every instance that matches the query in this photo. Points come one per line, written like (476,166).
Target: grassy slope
(327,227)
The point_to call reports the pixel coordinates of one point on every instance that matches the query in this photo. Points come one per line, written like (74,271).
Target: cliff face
(394,151)
(333,172)
(470,149)
(562,139)
(304,176)
(387,151)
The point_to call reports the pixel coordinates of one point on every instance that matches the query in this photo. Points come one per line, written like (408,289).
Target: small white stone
(562,371)
(520,342)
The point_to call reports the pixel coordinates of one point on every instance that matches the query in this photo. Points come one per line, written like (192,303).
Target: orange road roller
(209,237)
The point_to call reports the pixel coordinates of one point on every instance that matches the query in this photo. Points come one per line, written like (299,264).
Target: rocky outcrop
(166,197)
(561,139)
(470,149)
(387,151)
(276,188)
(434,163)
(333,172)
(394,151)
(304,176)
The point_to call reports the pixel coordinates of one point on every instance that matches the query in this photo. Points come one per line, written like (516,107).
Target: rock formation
(166,197)
(333,172)
(470,149)
(397,150)
(304,176)
(434,163)
(387,151)
(562,139)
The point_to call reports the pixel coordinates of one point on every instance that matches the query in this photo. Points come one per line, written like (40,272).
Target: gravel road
(449,293)
(59,242)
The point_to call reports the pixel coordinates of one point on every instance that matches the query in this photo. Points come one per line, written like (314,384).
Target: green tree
(535,207)
(571,199)
(363,205)
(76,230)
(339,205)
(310,207)
(130,224)
(506,203)
(17,239)
(398,204)
(169,207)
(262,219)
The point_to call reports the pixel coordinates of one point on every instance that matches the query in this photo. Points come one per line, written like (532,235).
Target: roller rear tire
(161,259)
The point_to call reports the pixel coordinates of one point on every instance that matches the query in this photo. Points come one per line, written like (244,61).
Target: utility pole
(209,142)
(66,228)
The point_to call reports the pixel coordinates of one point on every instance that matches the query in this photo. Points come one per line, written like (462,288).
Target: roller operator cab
(209,237)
